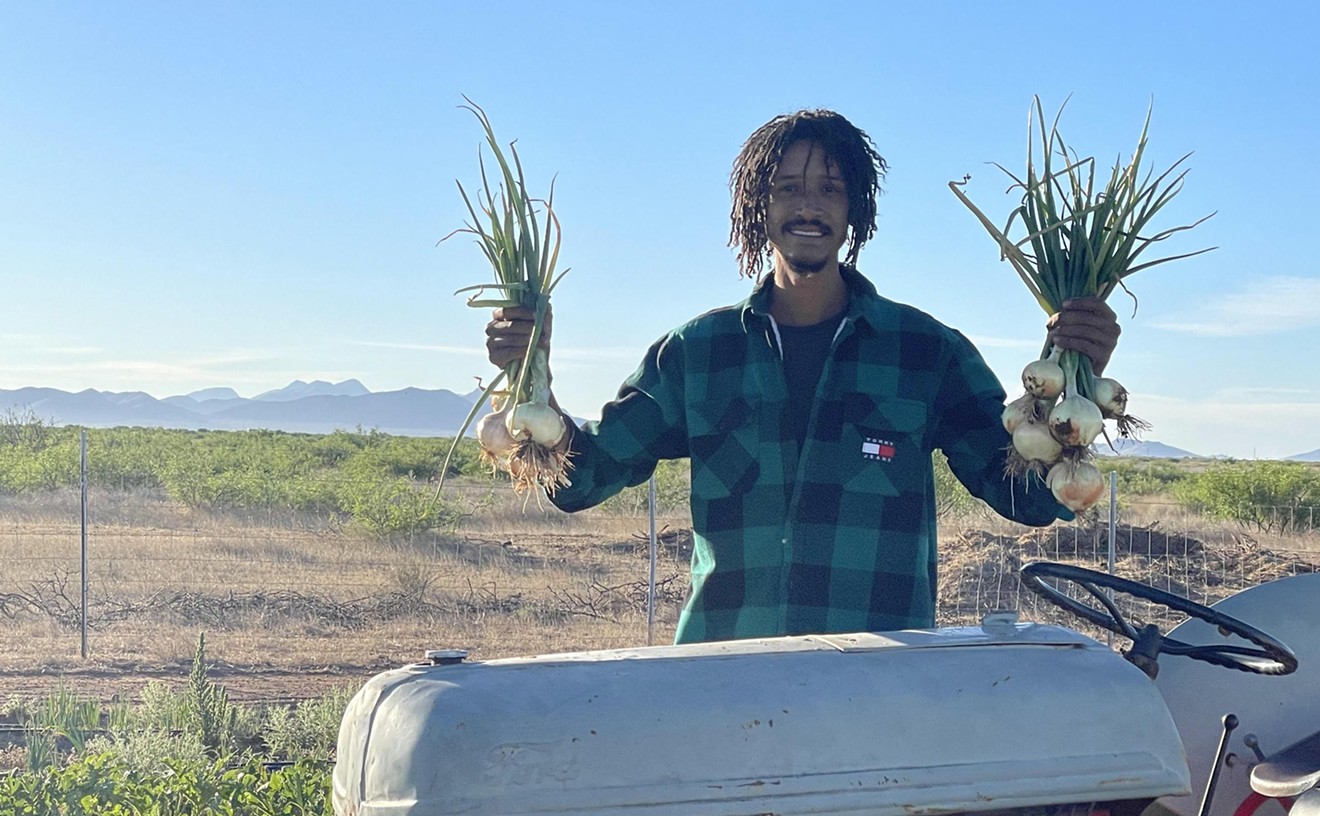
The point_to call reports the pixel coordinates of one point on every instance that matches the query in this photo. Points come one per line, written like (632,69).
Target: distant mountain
(317,388)
(213,394)
(206,401)
(1313,456)
(97,409)
(1137,449)
(409,412)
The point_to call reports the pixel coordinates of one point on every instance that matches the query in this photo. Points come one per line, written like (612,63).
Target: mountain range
(300,407)
(322,407)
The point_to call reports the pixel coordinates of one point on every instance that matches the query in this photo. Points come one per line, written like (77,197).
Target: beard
(803,266)
(806,268)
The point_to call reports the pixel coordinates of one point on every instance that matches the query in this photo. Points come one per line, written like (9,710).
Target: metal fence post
(82,478)
(1113,518)
(1113,530)
(650,581)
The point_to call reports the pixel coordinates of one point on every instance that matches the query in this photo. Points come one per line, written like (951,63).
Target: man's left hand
(1086,325)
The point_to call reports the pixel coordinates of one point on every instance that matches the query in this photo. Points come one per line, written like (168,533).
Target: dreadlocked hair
(851,151)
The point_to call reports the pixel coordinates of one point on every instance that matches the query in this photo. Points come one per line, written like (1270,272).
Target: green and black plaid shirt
(836,537)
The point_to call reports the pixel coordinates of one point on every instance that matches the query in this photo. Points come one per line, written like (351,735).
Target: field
(295,604)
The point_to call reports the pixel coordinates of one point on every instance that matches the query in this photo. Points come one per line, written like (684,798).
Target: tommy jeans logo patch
(874,447)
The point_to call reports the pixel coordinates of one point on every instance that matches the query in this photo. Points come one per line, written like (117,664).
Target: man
(810,410)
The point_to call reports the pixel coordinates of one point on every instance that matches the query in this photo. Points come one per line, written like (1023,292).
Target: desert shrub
(309,730)
(385,507)
(152,752)
(24,428)
(1142,477)
(1268,496)
(127,458)
(54,463)
(161,709)
(951,498)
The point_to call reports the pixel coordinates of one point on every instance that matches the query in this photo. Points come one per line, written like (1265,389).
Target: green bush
(1268,496)
(102,784)
(951,498)
(309,730)
(1142,477)
(398,506)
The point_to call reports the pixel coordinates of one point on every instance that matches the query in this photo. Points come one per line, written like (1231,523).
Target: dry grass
(1155,543)
(292,605)
(300,595)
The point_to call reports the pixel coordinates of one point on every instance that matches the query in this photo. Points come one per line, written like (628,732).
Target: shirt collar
(864,303)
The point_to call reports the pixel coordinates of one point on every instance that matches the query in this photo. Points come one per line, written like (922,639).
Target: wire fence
(1161,545)
(148,555)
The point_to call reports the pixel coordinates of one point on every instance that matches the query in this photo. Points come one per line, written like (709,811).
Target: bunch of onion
(1080,241)
(523,434)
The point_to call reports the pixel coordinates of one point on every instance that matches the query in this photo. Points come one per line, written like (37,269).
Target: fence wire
(1166,548)
(150,556)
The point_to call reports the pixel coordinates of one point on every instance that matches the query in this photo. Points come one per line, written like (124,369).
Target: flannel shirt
(840,535)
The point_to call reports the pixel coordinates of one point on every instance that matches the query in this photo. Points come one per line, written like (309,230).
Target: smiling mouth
(807,229)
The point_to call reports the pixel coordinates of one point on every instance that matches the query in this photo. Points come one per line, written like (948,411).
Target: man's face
(807,214)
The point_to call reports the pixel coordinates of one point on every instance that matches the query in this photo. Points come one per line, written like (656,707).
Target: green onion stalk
(520,237)
(1081,237)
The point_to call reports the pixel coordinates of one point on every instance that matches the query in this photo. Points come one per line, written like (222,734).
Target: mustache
(803,222)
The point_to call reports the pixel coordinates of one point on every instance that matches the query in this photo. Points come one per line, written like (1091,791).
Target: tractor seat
(1294,770)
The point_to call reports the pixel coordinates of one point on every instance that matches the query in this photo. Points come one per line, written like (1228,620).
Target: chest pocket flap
(885,439)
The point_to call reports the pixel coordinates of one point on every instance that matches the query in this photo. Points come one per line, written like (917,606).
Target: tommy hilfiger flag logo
(875,448)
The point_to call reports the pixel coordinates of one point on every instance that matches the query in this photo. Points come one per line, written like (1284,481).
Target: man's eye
(833,188)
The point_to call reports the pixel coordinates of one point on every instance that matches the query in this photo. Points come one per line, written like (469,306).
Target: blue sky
(243,194)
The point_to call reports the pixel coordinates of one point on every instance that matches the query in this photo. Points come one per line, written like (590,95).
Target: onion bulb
(1076,485)
(1111,397)
(1034,443)
(536,422)
(1076,422)
(1043,379)
(1025,408)
(493,434)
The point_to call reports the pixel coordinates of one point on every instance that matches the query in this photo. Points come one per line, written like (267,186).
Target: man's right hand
(509,331)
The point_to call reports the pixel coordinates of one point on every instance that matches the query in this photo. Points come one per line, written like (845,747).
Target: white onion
(537,422)
(1076,485)
(1043,379)
(1034,443)
(1111,397)
(493,434)
(1076,422)
(1025,408)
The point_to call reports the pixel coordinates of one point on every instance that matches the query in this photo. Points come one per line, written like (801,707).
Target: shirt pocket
(724,439)
(884,439)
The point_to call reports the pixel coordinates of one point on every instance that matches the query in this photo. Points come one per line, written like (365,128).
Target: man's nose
(810,204)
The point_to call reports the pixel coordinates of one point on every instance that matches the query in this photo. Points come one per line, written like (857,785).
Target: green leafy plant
(1266,496)
(210,712)
(308,730)
(60,717)
(101,784)
(523,434)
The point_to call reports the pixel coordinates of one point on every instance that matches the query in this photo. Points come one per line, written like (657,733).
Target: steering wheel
(1272,657)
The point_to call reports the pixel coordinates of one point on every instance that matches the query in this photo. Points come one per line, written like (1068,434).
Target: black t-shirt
(805,350)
